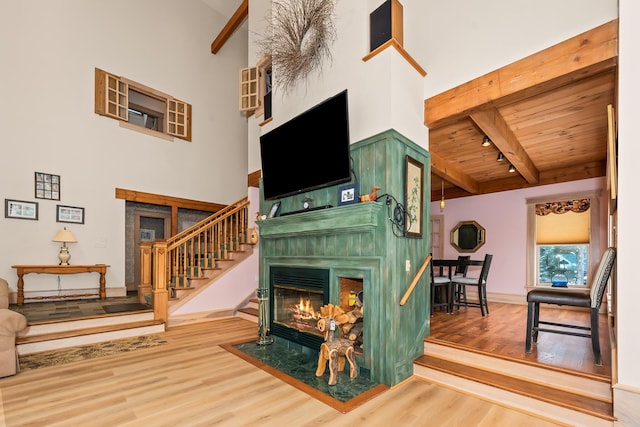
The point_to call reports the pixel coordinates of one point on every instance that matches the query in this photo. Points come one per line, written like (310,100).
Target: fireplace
(358,241)
(296,297)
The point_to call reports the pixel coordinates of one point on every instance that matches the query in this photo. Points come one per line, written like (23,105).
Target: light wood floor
(192,381)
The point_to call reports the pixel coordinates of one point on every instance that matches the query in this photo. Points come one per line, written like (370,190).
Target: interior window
(146,109)
(563,239)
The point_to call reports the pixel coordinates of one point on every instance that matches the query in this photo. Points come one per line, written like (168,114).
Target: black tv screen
(308,152)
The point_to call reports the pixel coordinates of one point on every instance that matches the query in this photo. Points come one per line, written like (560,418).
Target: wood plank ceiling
(547,114)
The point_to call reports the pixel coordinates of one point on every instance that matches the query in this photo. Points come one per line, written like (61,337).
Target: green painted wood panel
(360,241)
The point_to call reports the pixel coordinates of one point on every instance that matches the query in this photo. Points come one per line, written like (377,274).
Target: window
(255,88)
(563,239)
(143,108)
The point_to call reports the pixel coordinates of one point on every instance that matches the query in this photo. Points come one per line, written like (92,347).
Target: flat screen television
(308,152)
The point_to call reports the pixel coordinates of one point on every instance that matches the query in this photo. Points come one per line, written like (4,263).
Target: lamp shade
(65,236)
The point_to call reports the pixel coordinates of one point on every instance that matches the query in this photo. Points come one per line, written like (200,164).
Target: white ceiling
(224,7)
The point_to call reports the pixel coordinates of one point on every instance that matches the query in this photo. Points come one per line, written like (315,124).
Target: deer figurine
(334,350)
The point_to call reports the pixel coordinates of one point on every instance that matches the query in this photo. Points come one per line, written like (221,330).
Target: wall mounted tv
(308,152)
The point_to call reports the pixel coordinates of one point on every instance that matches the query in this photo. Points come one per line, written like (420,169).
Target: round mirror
(467,236)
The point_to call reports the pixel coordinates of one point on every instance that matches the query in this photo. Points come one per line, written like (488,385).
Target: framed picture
(147,235)
(20,209)
(348,194)
(414,184)
(70,214)
(612,160)
(273,212)
(47,186)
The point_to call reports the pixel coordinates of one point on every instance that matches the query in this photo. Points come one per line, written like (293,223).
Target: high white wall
(467,39)
(49,50)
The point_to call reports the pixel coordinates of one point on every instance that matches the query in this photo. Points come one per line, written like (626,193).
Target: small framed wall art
(69,214)
(414,179)
(20,209)
(348,194)
(47,186)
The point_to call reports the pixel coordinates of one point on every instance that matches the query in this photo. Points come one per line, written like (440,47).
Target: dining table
(451,265)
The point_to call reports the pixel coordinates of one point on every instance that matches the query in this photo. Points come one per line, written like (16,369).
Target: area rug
(91,351)
(122,308)
(299,370)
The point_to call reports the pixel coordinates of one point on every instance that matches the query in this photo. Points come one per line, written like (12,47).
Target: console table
(60,269)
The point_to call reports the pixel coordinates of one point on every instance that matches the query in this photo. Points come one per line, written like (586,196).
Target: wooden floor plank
(503,332)
(191,381)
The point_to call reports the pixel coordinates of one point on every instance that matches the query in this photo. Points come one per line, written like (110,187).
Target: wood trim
(253,179)
(584,55)
(238,17)
(394,43)
(161,200)
(453,174)
(266,121)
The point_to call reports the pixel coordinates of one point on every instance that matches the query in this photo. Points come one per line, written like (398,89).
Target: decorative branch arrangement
(299,38)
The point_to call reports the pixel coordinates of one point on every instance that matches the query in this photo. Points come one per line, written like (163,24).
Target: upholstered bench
(11,322)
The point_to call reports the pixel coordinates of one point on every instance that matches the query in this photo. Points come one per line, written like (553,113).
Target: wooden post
(160,291)
(144,285)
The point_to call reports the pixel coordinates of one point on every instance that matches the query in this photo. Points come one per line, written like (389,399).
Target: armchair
(11,322)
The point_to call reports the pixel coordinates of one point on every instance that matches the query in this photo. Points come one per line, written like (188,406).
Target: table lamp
(64,236)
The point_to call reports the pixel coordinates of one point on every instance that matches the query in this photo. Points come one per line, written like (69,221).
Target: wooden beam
(452,173)
(584,55)
(238,17)
(495,127)
(253,179)
(158,199)
(591,170)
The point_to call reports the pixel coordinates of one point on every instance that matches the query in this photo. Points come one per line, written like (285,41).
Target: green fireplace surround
(359,241)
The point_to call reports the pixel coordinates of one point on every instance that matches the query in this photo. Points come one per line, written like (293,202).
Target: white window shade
(566,228)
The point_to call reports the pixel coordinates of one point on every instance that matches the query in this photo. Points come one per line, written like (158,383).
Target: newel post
(160,291)
(144,285)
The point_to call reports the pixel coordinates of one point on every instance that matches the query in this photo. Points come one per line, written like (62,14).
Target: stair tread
(540,392)
(249,310)
(591,376)
(84,331)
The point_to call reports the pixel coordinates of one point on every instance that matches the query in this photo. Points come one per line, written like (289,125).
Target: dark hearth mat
(299,370)
(119,308)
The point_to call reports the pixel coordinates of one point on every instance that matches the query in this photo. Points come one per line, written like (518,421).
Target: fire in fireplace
(297,295)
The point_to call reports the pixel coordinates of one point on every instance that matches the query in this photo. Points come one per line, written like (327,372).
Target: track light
(512,169)
(500,157)
(486,141)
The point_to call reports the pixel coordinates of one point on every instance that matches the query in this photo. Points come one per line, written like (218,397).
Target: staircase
(190,261)
(559,395)
(249,310)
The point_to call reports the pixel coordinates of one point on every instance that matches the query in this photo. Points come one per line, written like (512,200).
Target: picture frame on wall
(147,235)
(70,214)
(414,185)
(20,209)
(348,194)
(47,186)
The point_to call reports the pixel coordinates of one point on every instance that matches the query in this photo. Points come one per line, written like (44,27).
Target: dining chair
(440,285)
(571,297)
(460,287)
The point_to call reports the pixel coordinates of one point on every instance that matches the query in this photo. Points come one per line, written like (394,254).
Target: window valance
(577,206)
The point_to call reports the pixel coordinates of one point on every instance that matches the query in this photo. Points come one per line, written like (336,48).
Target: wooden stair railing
(415,280)
(167,265)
